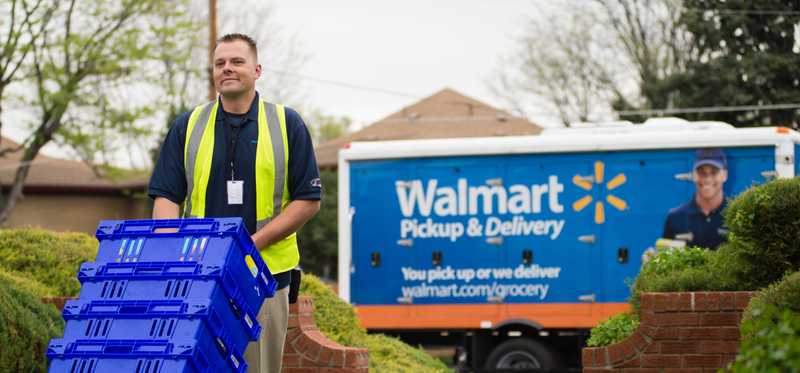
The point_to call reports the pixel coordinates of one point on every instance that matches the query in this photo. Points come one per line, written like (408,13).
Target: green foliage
(26,327)
(392,355)
(327,127)
(318,239)
(690,269)
(337,320)
(784,294)
(26,283)
(743,57)
(50,258)
(334,317)
(773,342)
(613,330)
(764,224)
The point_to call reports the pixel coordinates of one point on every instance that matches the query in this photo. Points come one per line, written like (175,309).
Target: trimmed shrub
(26,327)
(690,269)
(50,258)
(337,320)
(784,295)
(764,224)
(613,330)
(772,342)
(26,283)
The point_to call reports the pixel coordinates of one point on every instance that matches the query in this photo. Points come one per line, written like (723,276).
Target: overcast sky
(397,53)
(414,47)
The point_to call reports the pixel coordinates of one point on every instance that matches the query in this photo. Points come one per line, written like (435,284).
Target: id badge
(235,192)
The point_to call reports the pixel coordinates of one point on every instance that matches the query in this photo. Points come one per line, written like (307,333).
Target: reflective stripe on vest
(271,167)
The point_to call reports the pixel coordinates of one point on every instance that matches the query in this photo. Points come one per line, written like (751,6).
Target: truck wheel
(522,354)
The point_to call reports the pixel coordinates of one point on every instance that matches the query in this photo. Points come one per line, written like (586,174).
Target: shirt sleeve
(169,175)
(669,229)
(304,182)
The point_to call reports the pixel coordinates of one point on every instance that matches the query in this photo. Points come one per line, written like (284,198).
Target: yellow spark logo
(588,183)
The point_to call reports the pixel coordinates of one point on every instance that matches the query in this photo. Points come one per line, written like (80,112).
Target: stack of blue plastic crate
(182,301)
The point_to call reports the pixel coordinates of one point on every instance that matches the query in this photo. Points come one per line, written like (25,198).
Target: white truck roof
(656,133)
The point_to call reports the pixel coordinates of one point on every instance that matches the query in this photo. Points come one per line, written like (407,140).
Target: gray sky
(414,47)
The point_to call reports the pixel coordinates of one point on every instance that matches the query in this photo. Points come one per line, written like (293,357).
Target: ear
(724,175)
(258,70)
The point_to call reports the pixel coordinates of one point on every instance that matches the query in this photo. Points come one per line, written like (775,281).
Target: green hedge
(784,295)
(689,269)
(771,330)
(613,330)
(764,222)
(50,258)
(26,327)
(337,320)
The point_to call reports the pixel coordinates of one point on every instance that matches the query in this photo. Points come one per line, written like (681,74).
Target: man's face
(235,68)
(709,180)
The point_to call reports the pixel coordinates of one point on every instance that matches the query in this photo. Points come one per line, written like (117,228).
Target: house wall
(79,213)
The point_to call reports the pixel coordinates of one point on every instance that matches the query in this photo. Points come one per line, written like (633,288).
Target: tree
(81,66)
(319,238)
(582,60)
(281,53)
(26,22)
(748,53)
(324,127)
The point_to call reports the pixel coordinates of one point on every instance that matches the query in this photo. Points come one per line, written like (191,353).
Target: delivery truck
(513,248)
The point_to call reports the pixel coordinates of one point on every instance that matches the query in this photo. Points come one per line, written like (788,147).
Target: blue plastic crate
(126,319)
(218,243)
(154,321)
(168,280)
(117,356)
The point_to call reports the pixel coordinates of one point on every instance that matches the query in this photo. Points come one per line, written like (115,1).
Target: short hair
(227,38)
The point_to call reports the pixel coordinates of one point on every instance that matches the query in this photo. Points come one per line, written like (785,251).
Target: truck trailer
(513,248)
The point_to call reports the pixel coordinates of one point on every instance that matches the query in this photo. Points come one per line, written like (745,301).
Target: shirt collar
(695,209)
(252,113)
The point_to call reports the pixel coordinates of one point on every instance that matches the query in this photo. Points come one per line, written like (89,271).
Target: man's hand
(290,220)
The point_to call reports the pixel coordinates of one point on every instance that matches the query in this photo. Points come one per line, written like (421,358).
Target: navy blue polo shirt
(707,231)
(169,180)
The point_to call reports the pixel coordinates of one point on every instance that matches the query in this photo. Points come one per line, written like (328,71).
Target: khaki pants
(266,354)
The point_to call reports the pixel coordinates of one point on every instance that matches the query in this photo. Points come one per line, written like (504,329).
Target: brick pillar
(680,332)
(307,350)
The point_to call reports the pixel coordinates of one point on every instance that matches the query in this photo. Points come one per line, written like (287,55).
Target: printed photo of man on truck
(698,222)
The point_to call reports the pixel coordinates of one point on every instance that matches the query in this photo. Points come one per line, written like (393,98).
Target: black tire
(522,354)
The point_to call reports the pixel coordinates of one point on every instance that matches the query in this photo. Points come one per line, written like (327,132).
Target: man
(240,156)
(699,221)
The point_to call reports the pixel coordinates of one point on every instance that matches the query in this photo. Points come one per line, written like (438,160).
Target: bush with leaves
(51,258)
(26,327)
(685,269)
(613,330)
(337,320)
(764,225)
(784,294)
(772,342)
(771,329)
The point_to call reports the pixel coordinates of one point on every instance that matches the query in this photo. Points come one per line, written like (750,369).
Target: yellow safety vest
(272,158)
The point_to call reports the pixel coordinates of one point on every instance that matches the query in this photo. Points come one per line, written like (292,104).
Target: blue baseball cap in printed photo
(712,156)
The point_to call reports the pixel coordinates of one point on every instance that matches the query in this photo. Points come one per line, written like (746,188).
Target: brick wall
(679,332)
(307,350)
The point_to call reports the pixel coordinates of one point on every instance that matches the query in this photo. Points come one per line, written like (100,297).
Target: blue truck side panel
(546,208)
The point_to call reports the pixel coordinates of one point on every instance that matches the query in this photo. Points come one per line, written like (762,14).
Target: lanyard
(235,130)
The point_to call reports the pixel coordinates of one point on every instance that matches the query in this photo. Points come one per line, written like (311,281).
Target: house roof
(445,114)
(55,175)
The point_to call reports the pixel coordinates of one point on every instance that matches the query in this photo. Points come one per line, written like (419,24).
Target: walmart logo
(587,183)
